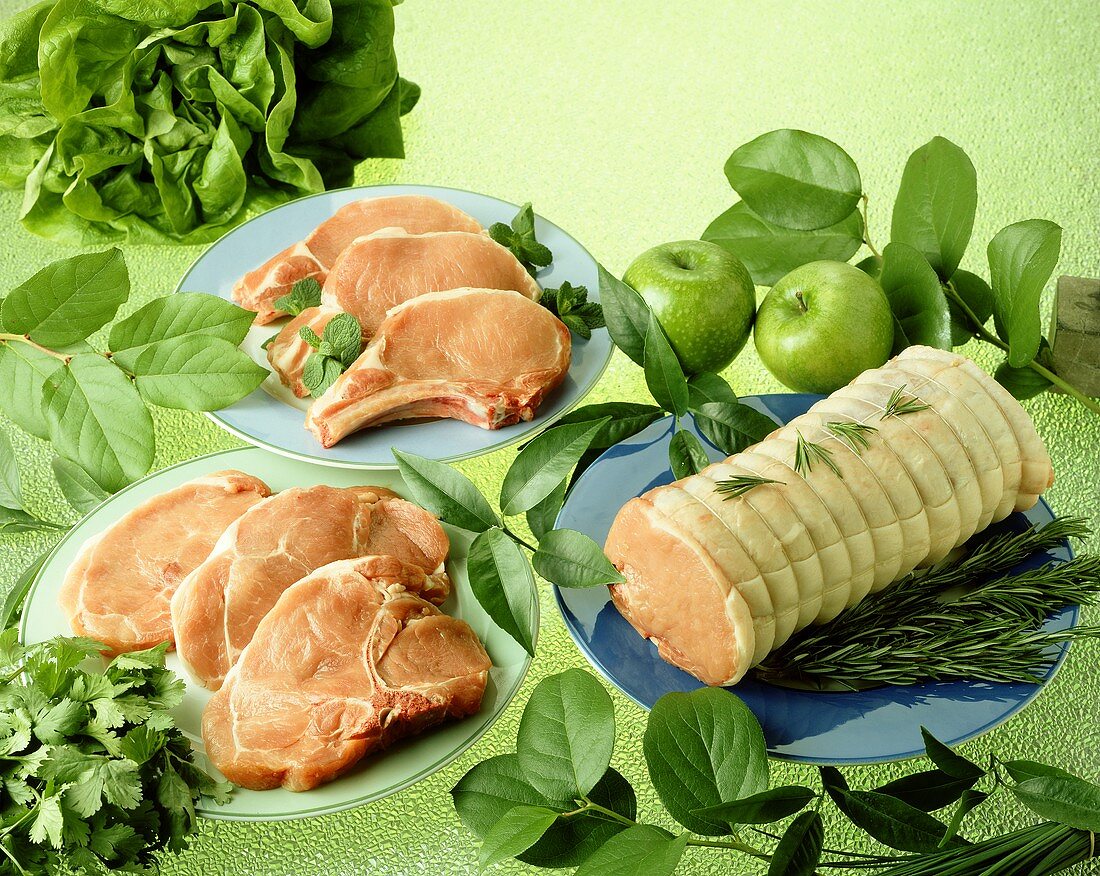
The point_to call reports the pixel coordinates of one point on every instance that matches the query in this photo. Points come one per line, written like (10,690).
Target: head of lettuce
(155,121)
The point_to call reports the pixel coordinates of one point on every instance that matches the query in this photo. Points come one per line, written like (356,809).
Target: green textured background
(615,120)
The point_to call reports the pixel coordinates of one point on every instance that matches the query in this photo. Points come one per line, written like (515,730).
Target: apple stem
(801,301)
(866,235)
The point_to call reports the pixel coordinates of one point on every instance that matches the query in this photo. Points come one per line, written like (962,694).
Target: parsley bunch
(93,771)
(571,305)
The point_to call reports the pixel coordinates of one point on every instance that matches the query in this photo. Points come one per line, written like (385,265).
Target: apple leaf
(1022,257)
(921,315)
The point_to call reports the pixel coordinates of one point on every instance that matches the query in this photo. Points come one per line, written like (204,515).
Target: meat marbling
(120,587)
(217,608)
(485,356)
(718,582)
(350,659)
(317,253)
(378,272)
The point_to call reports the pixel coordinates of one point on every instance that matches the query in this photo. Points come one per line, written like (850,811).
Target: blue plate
(809,727)
(273,419)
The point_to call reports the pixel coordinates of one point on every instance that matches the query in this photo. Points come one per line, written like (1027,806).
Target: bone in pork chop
(349,660)
(119,589)
(485,356)
(218,606)
(378,272)
(313,257)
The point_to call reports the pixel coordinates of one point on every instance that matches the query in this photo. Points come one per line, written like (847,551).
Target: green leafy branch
(802,200)
(557,802)
(180,351)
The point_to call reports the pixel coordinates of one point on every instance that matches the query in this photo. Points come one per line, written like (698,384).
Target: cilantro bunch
(93,771)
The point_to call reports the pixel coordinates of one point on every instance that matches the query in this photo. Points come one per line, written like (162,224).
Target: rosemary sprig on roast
(806,453)
(738,485)
(962,619)
(852,433)
(899,404)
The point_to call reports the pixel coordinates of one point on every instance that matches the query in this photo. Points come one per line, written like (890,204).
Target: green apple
(702,296)
(823,324)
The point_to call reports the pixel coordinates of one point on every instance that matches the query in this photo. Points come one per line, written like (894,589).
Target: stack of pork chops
(431,292)
(312,613)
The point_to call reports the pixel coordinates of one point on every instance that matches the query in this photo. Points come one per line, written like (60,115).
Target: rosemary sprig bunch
(899,404)
(806,453)
(956,620)
(738,485)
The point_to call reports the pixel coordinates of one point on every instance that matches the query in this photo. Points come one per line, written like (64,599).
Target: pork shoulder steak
(382,270)
(349,660)
(717,582)
(120,587)
(218,606)
(485,356)
(258,289)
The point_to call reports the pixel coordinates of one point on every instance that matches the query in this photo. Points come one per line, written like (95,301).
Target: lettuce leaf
(154,121)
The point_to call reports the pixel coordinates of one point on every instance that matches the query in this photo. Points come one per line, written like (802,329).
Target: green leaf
(1022,257)
(69,299)
(704,748)
(763,808)
(13,601)
(686,454)
(196,374)
(519,829)
(520,239)
(626,313)
(663,373)
(733,427)
(345,336)
(542,516)
(61,719)
(48,822)
(122,784)
(491,788)
(310,337)
(799,851)
(951,762)
(11,491)
(771,251)
(1025,383)
(969,801)
(544,463)
(934,210)
(319,373)
(571,559)
(98,420)
(446,492)
(304,294)
(871,266)
(921,315)
(640,850)
(795,180)
(77,486)
(707,387)
(1058,796)
(928,790)
(978,297)
(566,735)
(176,320)
(887,819)
(623,419)
(501,580)
(23,375)
(1022,770)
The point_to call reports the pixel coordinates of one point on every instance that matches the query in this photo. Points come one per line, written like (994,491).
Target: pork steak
(349,660)
(217,608)
(312,257)
(485,356)
(119,589)
(378,272)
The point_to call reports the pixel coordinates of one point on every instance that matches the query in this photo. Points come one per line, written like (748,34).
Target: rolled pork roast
(719,581)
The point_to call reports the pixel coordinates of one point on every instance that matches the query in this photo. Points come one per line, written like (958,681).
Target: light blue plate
(822,728)
(266,419)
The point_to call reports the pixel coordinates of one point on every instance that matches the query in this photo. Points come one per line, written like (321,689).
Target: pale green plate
(377,776)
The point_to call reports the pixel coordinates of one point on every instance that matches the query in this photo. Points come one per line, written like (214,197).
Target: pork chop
(313,257)
(119,589)
(349,660)
(218,606)
(485,356)
(380,271)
